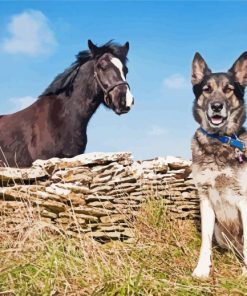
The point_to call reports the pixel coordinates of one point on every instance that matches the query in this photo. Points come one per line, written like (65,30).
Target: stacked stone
(169,179)
(95,194)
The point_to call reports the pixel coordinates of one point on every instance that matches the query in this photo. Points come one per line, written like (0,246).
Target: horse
(55,125)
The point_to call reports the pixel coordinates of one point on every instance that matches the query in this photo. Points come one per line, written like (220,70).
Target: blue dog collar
(233,141)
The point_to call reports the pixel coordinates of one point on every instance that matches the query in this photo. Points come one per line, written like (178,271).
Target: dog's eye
(207,89)
(228,88)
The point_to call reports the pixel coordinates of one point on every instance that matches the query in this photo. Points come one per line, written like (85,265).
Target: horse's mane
(64,82)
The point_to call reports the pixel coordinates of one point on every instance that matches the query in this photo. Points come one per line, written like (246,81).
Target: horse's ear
(199,69)
(239,69)
(93,48)
(125,49)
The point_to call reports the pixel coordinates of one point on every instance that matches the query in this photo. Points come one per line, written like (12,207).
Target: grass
(159,262)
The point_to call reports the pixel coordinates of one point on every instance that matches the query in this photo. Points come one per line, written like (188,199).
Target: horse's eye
(102,65)
(207,89)
(228,88)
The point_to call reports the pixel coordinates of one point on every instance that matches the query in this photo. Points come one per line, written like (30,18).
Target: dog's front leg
(243,212)
(207,227)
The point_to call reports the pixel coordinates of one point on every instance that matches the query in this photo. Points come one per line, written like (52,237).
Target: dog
(219,158)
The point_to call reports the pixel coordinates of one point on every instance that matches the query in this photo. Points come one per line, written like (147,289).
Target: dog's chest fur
(221,178)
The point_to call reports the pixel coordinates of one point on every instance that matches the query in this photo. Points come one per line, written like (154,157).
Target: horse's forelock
(110,47)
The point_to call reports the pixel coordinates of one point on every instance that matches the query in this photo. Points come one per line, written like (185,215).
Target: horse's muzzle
(122,110)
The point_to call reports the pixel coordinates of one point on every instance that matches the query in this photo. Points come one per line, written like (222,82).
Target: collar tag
(239,155)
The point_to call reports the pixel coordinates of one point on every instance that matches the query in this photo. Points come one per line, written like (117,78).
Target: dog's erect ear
(93,48)
(125,49)
(239,69)
(199,69)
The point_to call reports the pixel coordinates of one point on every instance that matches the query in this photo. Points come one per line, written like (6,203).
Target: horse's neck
(68,116)
(85,98)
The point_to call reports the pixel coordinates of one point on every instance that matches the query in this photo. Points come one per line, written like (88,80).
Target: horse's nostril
(133,101)
(217,106)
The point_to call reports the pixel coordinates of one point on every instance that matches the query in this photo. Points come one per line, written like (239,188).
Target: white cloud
(156,130)
(22,102)
(29,34)
(176,81)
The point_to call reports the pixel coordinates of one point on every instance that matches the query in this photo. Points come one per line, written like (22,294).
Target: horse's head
(110,73)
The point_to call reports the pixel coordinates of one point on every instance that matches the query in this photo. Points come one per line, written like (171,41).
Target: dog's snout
(217,106)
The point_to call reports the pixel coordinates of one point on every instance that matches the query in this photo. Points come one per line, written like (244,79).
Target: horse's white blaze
(119,65)
(129,96)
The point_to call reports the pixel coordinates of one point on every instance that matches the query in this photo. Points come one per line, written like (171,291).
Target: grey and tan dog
(219,158)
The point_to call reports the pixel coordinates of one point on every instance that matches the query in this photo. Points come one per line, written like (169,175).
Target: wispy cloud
(176,81)
(21,103)
(156,130)
(30,34)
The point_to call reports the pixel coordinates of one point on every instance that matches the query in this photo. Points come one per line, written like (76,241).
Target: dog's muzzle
(217,113)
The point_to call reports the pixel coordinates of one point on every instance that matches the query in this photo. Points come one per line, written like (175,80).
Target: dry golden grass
(42,261)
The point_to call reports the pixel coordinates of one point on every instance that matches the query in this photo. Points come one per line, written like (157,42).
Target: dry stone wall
(94,194)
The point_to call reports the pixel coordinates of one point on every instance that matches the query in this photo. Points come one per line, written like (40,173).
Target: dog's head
(219,104)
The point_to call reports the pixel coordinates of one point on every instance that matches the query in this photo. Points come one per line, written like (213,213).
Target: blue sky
(39,39)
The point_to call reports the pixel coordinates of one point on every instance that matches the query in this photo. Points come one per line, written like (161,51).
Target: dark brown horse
(56,124)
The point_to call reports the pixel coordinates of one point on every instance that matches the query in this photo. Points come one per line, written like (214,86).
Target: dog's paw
(201,272)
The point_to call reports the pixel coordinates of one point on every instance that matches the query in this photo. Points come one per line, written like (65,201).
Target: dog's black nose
(217,106)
